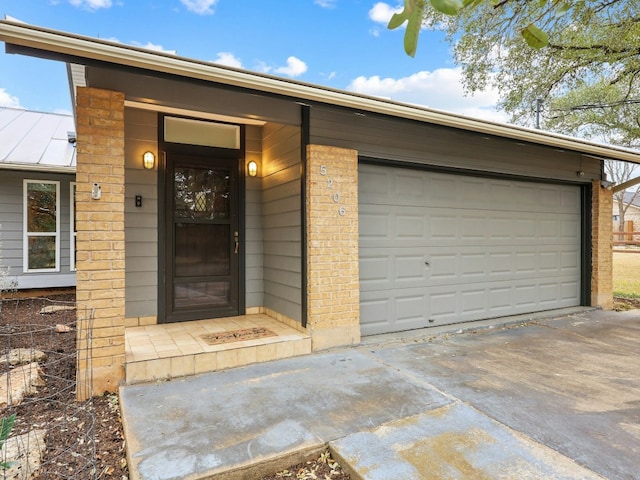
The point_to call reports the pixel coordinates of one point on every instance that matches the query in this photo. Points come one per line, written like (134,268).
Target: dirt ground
(621,304)
(84,440)
(322,468)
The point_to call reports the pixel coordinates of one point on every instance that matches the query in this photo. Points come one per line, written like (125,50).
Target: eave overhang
(29,167)
(38,41)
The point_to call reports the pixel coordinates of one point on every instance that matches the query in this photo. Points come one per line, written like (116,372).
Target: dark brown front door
(201,225)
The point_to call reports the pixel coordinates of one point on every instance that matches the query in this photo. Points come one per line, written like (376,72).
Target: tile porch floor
(163,351)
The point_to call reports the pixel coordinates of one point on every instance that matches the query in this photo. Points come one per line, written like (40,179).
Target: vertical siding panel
(282,224)
(141,223)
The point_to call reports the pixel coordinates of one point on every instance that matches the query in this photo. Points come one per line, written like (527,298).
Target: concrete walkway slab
(452,442)
(551,399)
(571,383)
(226,421)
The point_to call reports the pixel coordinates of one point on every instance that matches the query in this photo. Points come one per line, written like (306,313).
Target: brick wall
(602,254)
(332,247)
(100,239)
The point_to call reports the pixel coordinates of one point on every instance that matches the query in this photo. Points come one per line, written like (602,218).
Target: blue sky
(339,43)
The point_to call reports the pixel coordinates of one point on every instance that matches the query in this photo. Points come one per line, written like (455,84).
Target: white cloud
(441,89)
(326,3)
(295,67)
(382,12)
(201,7)
(262,67)
(228,59)
(155,47)
(7,100)
(91,4)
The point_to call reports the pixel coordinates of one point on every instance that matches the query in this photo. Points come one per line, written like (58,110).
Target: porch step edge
(176,366)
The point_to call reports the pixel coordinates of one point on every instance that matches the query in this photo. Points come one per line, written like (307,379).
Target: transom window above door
(199,132)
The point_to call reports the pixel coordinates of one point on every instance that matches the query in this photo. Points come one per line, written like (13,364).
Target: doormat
(237,335)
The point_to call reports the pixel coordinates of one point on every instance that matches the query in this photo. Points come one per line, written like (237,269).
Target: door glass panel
(202,193)
(198,294)
(202,249)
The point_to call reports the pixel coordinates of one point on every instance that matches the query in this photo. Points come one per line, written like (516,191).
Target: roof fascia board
(79,47)
(37,168)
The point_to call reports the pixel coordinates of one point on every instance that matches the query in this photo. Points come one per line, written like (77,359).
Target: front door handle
(236,239)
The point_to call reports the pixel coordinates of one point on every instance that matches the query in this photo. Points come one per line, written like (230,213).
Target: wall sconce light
(252,168)
(148,160)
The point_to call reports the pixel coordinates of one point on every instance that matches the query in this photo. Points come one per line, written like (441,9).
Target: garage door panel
(443,188)
(448,248)
(386,268)
(410,227)
(465,303)
(377,310)
(382,268)
(398,311)
(480,263)
(411,187)
(410,268)
(375,270)
(374,226)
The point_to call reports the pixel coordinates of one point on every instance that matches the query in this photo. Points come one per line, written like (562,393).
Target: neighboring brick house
(632,213)
(335,214)
(37,188)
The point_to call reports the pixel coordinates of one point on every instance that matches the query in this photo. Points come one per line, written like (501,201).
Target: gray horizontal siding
(282,226)
(254,270)
(420,143)
(11,230)
(141,223)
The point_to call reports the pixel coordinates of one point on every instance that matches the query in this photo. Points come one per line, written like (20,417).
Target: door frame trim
(240,156)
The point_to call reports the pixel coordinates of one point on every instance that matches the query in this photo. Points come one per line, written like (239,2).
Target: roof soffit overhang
(46,43)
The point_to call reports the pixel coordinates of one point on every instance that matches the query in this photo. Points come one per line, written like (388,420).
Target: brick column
(100,257)
(602,248)
(333,291)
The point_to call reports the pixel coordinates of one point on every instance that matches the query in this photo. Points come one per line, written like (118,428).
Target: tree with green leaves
(579,59)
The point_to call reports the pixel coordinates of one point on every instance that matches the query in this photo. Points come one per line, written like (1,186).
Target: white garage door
(440,248)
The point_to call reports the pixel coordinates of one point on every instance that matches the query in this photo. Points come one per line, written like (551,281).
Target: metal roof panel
(29,139)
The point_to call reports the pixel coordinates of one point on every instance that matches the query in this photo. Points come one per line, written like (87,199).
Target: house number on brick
(336,196)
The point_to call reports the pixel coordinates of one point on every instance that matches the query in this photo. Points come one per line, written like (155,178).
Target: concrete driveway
(552,398)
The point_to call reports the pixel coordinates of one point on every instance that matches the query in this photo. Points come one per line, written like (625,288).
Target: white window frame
(26,235)
(72,227)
